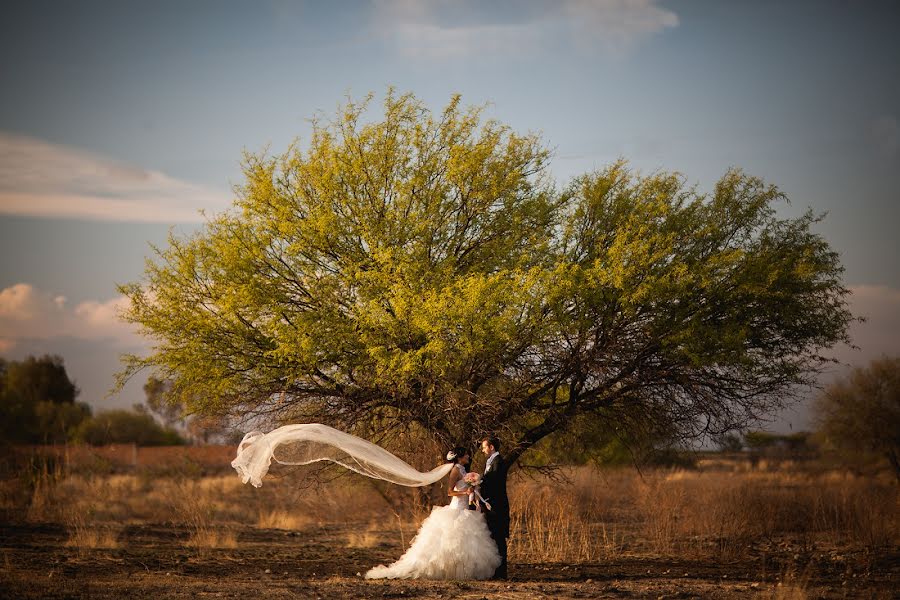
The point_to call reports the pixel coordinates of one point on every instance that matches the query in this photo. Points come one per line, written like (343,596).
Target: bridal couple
(465,539)
(455,542)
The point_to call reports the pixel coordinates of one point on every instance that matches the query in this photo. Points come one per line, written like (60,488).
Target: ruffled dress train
(452,543)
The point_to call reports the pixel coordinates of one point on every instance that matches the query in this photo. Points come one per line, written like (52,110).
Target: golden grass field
(728,528)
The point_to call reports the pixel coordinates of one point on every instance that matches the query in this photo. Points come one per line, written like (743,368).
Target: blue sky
(121,120)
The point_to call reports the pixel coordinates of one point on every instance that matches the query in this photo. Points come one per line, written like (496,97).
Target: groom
(493,488)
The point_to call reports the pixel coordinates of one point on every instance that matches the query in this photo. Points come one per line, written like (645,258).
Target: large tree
(420,273)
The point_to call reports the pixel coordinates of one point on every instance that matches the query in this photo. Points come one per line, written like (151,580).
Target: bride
(452,543)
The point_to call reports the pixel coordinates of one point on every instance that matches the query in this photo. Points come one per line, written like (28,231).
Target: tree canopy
(37,401)
(421,273)
(861,412)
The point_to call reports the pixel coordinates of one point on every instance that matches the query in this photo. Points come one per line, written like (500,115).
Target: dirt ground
(151,561)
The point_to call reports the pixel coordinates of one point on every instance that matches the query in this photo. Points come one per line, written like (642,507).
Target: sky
(121,121)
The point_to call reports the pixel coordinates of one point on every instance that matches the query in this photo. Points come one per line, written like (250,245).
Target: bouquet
(473,480)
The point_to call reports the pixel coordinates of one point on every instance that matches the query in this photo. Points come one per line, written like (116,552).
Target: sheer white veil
(312,442)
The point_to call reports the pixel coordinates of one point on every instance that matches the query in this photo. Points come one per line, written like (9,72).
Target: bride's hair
(456,454)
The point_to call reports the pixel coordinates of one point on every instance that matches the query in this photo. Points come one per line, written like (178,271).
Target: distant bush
(729,442)
(776,443)
(125,427)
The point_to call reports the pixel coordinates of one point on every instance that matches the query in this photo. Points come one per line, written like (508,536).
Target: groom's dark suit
(493,488)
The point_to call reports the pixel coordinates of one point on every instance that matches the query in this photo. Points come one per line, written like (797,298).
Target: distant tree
(729,442)
(124,427)
(792,443)
(799,442)
(170,411)
(37,401)
(861,413)
(159,402)
(57,422)
(759,440)
(41,379)
(421,271)
(205,429)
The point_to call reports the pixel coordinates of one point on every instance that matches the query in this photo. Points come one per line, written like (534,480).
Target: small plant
(198,513)
(86,536)
(283,519)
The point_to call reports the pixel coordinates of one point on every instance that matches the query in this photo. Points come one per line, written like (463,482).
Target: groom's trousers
(499,528)
(500,573)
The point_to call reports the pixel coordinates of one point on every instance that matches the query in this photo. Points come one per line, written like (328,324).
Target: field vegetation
(727,526)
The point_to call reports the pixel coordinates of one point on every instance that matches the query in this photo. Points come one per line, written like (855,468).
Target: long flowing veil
(313,442)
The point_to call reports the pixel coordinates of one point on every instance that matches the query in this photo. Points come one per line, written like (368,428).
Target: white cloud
(41,179)
(27,313)
(439,29)
(617,24)
(17,302)
(427,40)
(431,29)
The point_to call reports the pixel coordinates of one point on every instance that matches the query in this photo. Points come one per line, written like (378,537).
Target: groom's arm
(499,483)
(489,484)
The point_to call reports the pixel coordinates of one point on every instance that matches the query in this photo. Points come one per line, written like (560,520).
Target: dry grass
(699,514)
(548,529)
(197,504)
(42,481)
(582,521)
(367,538)
(283,519)
(86,536)
(206,538)
(714,514)
(719,511)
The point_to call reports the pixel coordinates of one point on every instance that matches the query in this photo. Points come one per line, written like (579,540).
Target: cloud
(441,29)
(27,313)
(41,179)
(617,24)
(432,29)
(427,40)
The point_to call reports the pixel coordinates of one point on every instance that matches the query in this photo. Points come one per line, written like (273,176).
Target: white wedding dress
(452,543)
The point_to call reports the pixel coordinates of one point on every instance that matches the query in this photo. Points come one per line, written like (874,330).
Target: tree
(775,444)
(37,401)
(592,439)
(861,413)
(170,413)
(125,427)
(420,274)
(41,379)
(201,429)
(729,442)
(206,428)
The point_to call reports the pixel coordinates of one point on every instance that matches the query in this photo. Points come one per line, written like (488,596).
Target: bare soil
(152,561)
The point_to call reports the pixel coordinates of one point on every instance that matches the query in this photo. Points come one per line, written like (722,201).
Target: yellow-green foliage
(424,270)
